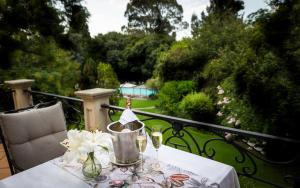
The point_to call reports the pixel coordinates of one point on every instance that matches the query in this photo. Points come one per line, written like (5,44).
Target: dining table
(178,169)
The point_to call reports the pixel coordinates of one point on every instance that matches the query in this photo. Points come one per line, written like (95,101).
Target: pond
(137,92)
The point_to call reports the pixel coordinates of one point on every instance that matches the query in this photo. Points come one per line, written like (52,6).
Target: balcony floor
(4,168)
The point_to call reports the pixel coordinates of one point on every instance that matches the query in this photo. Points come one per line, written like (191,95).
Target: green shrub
(197,106)
(172,93)
(179,62)
(107,78)
(88,74)
(154,83)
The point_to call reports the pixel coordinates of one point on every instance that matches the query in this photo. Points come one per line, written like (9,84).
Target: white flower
(219,87)
(250,143)
(219,114)
(237,122)
(221,91)
(231,120)
(226,100)
(80,143)
(220,103)
(76,86)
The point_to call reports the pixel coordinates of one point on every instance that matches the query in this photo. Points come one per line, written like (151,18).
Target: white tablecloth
(220,173)
(50,175)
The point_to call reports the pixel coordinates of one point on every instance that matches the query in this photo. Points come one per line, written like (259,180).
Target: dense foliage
(43,40)
(152,16)
(172,93)
(197,106)
(133,57)
(53,68)
(251,70)
(245,71)
(107,78)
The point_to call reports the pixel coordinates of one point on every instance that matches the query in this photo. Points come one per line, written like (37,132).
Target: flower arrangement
(81,143)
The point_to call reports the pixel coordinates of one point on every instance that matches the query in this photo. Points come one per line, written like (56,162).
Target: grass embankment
(225,153)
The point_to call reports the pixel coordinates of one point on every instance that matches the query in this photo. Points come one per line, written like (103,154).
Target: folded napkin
(127,117)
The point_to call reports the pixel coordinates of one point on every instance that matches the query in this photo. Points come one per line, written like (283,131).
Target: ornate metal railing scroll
(72,107)
(179,133)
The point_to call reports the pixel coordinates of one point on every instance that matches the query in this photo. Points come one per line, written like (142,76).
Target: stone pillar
(22,98)
(95,117)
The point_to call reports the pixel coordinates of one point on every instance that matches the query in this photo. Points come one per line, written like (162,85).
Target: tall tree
(20,19)
(78,35)
(153,16)
(225,6)
(218,10)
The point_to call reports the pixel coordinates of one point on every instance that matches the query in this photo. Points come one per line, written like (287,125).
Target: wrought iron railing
(245,156)
(207,139)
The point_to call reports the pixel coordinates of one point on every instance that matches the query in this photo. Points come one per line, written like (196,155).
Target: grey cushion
(34,136)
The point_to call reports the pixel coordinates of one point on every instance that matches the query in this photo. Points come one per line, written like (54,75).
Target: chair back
(33,136)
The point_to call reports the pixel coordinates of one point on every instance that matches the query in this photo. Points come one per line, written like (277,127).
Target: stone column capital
(94,94)
(22,98)
(95,117)
(20,84)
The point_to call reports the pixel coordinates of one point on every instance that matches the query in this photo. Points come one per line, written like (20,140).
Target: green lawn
(225,153)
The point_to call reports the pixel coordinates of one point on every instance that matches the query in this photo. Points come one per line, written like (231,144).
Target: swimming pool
(132,91)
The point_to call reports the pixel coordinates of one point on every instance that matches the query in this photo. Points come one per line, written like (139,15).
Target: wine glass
(156,137)
(141,143)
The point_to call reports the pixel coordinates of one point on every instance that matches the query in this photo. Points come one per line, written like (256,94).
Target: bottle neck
(128,103)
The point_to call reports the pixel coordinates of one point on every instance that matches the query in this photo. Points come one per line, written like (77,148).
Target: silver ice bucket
(124,143)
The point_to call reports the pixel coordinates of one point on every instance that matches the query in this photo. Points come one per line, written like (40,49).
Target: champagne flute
(156,137)
(141,143)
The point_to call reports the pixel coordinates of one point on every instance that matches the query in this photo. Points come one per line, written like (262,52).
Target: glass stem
(157,155)
(142,169)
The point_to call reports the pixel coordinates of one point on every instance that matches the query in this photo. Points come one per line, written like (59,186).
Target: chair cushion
(34,136)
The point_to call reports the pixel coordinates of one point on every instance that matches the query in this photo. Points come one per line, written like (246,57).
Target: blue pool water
(137,91)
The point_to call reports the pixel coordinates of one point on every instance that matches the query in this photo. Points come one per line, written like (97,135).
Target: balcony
(240,148)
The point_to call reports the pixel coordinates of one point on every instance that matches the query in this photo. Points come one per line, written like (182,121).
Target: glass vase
(91,167)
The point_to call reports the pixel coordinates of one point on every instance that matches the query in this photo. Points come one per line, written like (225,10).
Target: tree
(88,74)
(52,68)
(152,16)
(195,24)
(132,57)
(142,56)
(78,35)
(217,11)
(180,62)
(33,42)
(110,48)
(276,35)
(222,7)
(107,77)
(21,19)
